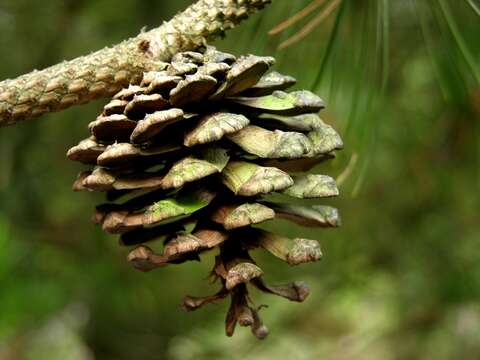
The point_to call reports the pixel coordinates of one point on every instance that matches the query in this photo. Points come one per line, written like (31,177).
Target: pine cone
(194,148)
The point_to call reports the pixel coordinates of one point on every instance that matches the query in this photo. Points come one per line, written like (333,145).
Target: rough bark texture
(105,72)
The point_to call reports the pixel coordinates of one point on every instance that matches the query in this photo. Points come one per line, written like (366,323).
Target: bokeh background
(399,280)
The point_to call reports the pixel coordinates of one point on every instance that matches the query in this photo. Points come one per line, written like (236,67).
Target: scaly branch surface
(105,72)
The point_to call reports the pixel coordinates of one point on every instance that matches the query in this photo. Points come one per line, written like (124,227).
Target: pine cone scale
(195,147)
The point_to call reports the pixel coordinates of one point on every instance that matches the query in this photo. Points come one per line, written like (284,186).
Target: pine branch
(105,72)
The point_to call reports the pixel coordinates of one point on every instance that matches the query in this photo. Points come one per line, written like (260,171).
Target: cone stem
(105,72)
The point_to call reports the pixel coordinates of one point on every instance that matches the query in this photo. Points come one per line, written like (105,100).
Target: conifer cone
(188,155)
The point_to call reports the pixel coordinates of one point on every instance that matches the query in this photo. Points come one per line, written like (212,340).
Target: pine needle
(474,7)
(386,43)
(429,45)
(310,26)
(452,25)
(328,50)
(348,170)
(296,18)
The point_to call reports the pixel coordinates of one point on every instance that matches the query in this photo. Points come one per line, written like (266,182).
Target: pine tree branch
(105,72)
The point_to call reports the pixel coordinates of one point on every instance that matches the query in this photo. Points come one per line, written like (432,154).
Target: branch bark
(105,72)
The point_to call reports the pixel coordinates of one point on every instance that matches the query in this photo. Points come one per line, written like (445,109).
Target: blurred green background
(400,279)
